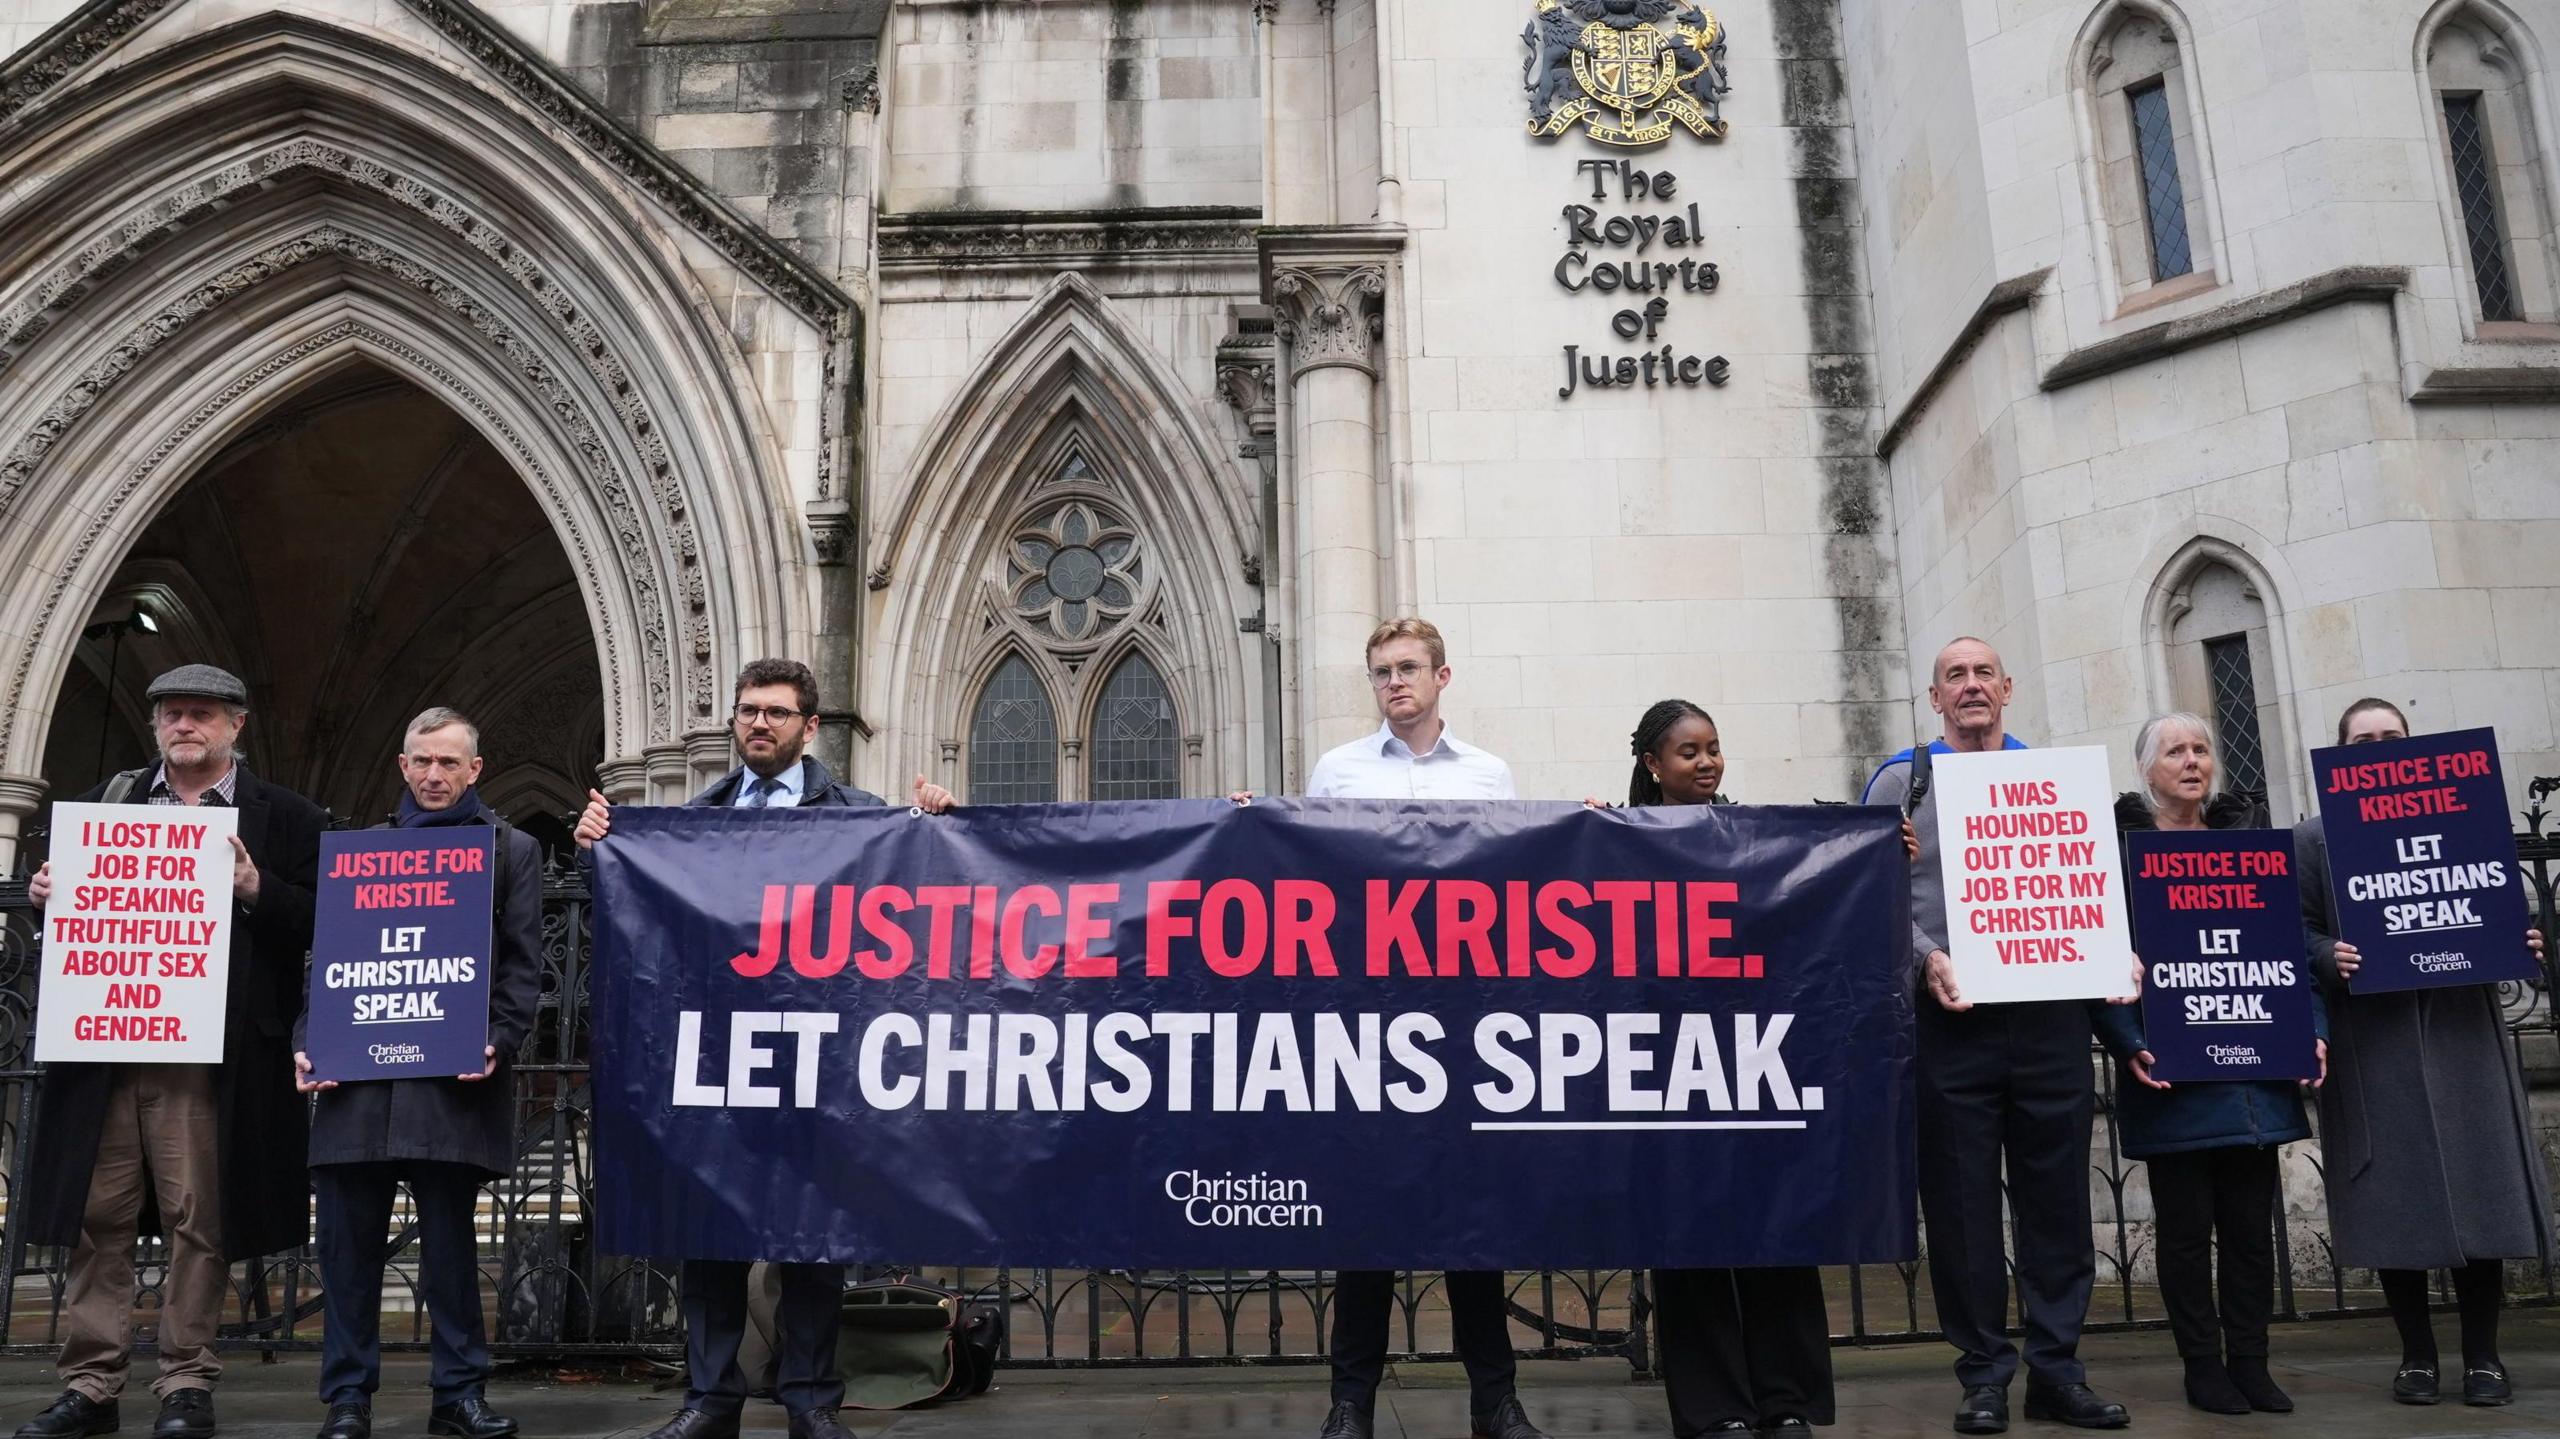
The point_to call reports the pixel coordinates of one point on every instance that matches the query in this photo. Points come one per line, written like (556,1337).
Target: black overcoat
(445,1119)
(266,1195)
(2428,1145)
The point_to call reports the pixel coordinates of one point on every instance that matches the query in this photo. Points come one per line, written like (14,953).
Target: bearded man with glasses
(775,713)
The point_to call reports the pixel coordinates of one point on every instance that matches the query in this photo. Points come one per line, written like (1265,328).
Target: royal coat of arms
(1629,71)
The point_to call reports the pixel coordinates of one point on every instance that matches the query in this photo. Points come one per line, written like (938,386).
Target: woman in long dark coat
(2427,1140)
(2212,1149)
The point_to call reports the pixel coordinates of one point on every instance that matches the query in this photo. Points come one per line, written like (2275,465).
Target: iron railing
(553,1297)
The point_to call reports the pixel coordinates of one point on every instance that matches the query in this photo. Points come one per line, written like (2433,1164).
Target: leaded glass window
(2475,183)
(2164,196)
(1075,571)
(1136,752)
(1013,739)
(2235,714)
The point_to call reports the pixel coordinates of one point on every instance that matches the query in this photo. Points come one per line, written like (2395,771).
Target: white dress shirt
(784,795)
(1381,766)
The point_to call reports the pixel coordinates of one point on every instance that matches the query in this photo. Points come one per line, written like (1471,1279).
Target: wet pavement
(2339,1373)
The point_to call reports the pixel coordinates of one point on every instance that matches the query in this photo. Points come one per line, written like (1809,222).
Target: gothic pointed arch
(2217,640)
(204,226)
(1070,504)
(2147,155)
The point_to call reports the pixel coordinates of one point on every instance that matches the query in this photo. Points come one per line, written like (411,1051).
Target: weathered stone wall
(2305,405)
(1589,555)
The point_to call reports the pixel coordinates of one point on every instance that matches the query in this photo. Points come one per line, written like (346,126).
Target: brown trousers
(158,1140)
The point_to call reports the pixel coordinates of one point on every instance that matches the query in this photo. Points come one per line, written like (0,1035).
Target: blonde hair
(1410,628)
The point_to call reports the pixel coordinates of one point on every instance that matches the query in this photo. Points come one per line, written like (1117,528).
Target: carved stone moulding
(1050,239)
(78,272)
(1331,315)
(612,645)
(61,54)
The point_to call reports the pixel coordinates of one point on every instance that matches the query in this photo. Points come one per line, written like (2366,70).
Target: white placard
(137,934)
(2035,891)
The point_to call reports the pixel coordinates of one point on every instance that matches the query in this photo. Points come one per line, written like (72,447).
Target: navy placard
(2422,866)
(1299,1034)
(2217,919)
(400,953)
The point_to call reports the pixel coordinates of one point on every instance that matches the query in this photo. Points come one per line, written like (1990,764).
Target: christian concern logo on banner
(1629,71)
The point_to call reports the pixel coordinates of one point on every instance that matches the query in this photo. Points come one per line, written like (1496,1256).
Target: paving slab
(2339,1373)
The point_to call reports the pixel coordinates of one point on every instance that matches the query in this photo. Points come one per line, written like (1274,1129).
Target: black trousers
(1748,1344)
(2008,1084)
(1363,1303)
(355,1224)
(2209,1202)
(715,1324)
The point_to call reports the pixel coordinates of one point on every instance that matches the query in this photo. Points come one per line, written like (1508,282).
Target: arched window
(2150,162)
(2219,648)
(1013,738)
(1136,752)
(2496,202)
(1081,706)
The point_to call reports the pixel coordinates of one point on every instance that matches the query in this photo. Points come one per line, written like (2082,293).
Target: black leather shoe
(2416,1384)
(185,1414)
(73,1415)
(469,1417)
(2249,1375)
(2210,1389)
(1345,1422)
(696,1424)
(1985,1410)
(1507,1421)
(347,1421)
(2074,1405)
(817,1424)
(1790,1427)
(2487,1387)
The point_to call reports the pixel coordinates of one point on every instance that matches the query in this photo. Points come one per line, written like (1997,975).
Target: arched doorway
(358,553)
(276,216)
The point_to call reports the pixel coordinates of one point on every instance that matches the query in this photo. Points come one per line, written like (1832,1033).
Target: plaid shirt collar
(221,793)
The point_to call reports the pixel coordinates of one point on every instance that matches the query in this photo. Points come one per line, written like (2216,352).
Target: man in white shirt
(1413,756)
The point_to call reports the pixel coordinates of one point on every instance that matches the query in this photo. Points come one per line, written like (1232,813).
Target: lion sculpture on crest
(1555,34)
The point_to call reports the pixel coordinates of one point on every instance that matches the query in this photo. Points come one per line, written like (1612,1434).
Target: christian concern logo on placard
(1629,71)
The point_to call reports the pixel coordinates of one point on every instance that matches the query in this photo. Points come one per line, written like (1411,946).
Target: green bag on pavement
(895,1346)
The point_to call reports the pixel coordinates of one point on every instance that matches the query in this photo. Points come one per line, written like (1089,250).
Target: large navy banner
(1302,1034)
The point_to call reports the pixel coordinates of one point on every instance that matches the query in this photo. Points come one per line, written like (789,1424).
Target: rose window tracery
(1075,570)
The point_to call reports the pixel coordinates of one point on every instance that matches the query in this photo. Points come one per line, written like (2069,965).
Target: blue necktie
(760,793)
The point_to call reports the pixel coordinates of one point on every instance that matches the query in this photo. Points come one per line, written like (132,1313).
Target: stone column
(1248,376)
(839,627)
(624,781)
(669,776)
(1330,318)
(708,754)
(21,799)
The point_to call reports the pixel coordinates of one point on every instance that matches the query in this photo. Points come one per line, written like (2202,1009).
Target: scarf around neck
(466,810)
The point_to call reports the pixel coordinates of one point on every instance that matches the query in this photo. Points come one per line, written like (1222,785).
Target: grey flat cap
(200,681)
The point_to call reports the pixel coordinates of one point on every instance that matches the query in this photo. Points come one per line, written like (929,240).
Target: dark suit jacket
(819,789)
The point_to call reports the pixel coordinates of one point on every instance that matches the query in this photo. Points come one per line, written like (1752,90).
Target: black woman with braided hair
(1743,1351)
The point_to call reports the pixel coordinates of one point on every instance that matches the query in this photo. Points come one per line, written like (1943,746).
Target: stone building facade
(1076,382)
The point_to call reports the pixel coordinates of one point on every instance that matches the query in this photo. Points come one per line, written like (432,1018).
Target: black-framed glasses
(770,714)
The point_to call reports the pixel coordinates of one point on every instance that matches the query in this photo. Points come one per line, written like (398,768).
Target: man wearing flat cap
(210,1155)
